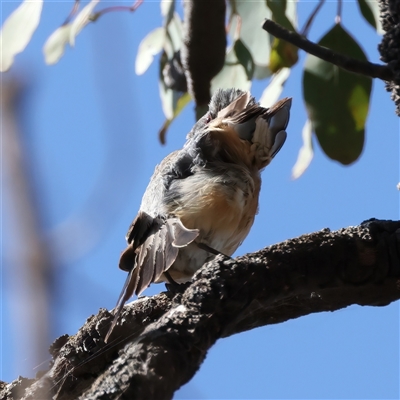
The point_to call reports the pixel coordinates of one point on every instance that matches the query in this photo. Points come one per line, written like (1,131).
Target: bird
(202,199)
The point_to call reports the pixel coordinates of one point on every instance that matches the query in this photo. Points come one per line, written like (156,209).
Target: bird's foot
(211,250)
(173,286)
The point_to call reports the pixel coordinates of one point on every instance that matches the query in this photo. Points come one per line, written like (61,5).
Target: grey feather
(280,119)
(280,139)
(182,235)
(170,252)
(138,228)
(145,265)
(159,254)
(127,291)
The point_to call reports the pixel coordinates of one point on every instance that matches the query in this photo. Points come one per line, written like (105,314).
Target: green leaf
(370,11)
(367,12)
(252,15)
(181,103)
(283,54)
(337,101)
(244,57)
(151,45)
(278,9)
(17,31)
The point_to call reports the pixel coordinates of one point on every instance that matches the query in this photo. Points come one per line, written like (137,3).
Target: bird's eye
(208,118)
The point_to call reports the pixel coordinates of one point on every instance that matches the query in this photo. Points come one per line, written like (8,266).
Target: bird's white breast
(222,206)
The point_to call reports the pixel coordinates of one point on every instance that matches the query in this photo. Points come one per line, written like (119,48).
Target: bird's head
(237,129)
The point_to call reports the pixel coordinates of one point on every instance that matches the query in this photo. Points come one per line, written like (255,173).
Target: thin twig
(307,25)
(338,18)
(132,8)
(72,12)
(349,64)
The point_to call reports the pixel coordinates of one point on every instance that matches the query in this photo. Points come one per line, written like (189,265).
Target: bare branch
(73,12)
(349,64)
(106,10)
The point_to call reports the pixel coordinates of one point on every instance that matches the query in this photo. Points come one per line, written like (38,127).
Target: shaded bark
(388,48)
(203,49)
(162,340)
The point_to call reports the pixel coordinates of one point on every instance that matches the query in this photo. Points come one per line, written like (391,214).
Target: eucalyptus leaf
(337,101)
(54,47)
(252,15)
(306,152)
(370,11)
(283,54)
(151,45)
(291,12)
(181,103)
(175,32)
(261,72)
(278,9)
(232,75)
(284,13)
(244,57)
(167,100)
(81,20)
(169,97)
(173,36)
(167,10)
(18,30)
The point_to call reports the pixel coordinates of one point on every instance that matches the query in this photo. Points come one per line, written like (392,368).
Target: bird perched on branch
(202,199)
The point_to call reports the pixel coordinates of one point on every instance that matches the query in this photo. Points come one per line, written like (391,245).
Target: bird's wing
(153,247)
(270,132)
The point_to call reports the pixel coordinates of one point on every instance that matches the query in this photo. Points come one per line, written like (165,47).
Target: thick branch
(165,338)
(350,64)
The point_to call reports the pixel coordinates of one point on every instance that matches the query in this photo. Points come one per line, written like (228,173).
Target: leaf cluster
(228,48)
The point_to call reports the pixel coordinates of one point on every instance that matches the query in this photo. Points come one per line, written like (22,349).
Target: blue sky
(91,133)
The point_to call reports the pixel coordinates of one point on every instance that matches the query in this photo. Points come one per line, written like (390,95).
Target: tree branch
(162,340)
(310,19)
(349,64)
(106,10)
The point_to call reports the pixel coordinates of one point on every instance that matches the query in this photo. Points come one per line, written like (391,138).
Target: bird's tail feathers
(151,259)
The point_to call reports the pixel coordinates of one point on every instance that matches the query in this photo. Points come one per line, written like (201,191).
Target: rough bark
(162,340)
(388,48)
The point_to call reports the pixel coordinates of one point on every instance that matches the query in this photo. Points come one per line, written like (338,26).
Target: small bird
(201,200)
